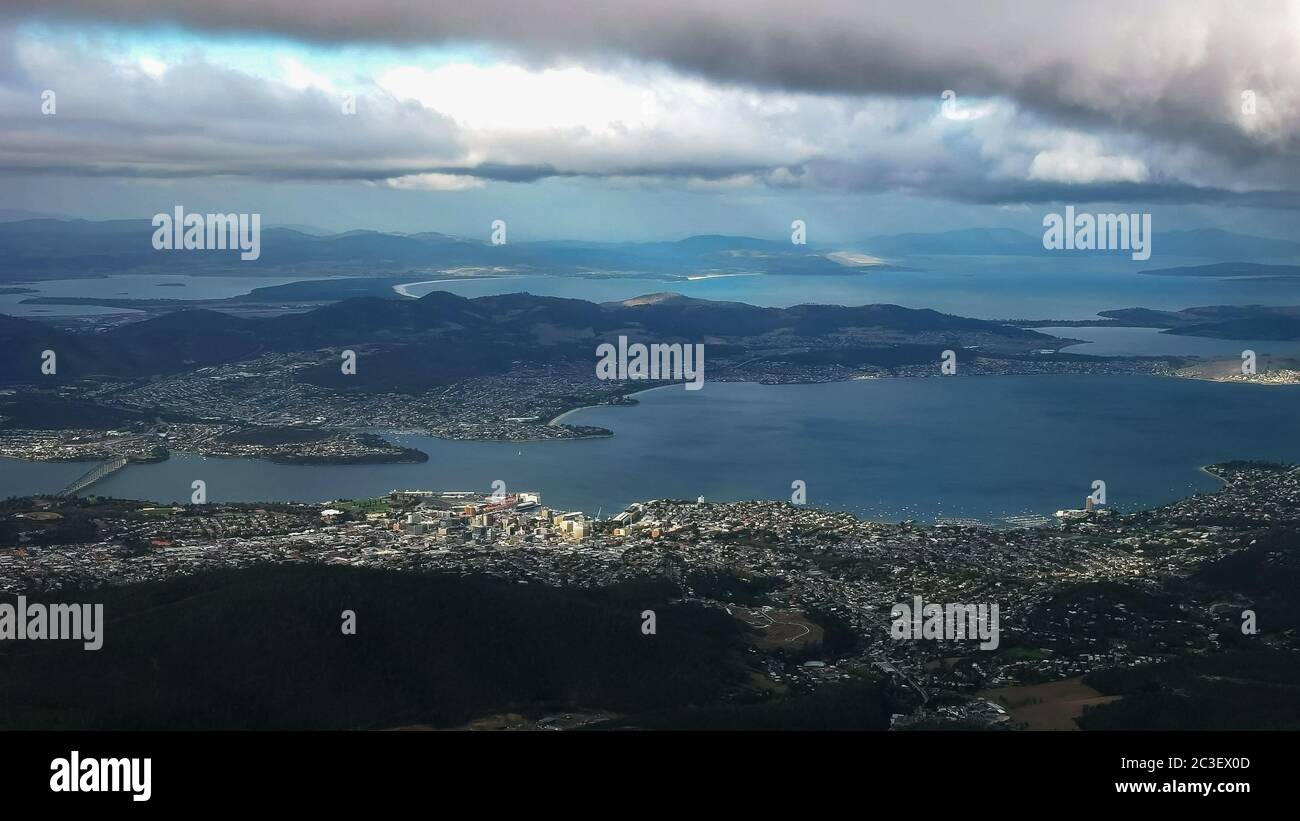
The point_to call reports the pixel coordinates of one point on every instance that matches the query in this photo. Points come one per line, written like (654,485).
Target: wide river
(885,449)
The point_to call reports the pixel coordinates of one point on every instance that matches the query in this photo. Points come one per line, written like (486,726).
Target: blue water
(20,478)
(889,449)
(986,287)
(129,286)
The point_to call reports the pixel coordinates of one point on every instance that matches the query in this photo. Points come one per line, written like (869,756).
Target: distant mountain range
(1210,243)
(48,248)
(442,337)
(17,214)
(1272,323)
(34,249)
(973,241)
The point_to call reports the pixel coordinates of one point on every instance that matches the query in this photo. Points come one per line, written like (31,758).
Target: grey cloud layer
(1113,101)
(201,119)
(1173,68)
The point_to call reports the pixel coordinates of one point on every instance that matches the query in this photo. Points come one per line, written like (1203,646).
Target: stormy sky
(653,118)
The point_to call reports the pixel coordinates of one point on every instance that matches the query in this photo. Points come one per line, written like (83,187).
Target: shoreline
(993,523)
(1223,381)
(533,439)
(400,289)
(1206,470)
(557,419)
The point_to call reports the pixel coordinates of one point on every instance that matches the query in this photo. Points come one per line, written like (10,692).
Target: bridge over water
(93,475)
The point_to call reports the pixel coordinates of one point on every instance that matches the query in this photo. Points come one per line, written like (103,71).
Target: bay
(884,449)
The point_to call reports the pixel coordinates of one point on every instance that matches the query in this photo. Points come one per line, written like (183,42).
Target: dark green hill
(1257,688)
(1269,327)
(262,648)
(441,337)
(76,355)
